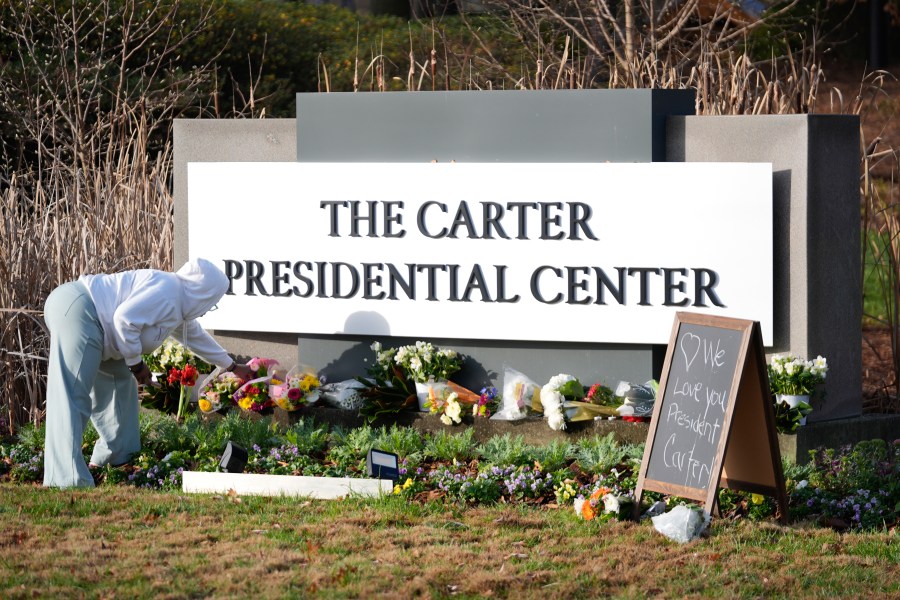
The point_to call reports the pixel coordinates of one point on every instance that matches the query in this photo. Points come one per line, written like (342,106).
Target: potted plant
(793,380)
(430,368)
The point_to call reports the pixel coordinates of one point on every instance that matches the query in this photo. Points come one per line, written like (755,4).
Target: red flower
(174,376)
(189,375)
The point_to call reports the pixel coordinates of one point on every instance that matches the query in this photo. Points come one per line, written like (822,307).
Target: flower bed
(593,477)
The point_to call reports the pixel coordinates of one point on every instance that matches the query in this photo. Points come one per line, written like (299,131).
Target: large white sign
(561,252)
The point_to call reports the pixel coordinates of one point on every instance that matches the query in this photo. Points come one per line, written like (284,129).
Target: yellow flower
(407,483)
(397,489)
(246,402)
(205,405)
(757,498)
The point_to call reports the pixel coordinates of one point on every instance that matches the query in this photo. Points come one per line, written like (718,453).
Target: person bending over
(100,325)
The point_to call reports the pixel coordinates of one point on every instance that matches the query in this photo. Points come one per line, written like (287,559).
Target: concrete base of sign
(248,484)
(795,447)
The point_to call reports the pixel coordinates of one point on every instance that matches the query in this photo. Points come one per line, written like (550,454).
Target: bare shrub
(88,90)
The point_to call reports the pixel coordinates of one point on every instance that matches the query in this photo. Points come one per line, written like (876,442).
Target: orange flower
(598,493)
(587,511)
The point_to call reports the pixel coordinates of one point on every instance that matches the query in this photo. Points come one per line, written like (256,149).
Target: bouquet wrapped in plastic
(253,395)
(301,387)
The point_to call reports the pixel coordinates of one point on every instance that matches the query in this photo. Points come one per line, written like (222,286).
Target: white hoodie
(139,309)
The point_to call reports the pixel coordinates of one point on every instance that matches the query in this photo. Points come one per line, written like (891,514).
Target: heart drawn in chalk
(690,346)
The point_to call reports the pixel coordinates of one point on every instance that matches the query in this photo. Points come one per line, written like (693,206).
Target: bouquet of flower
(254,395)
(448,406)
(795,376)
(563,401)
(185,378)
(164,396)
(607,500)
(486,403)
(601,395)
(298,389)
(218,390)
(420,361)
(172,354)
(553,395)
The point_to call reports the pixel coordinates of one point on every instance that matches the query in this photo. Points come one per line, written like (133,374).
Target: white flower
(579,504)
(453,409)
(557,421)
(611,503)
(819,366)
(550,399)
(802,484)
(446,420)
(376,347)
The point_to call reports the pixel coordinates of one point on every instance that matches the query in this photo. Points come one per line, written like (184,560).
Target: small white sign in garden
(556,252)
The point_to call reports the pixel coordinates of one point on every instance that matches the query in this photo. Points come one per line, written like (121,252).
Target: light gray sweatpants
(81,386)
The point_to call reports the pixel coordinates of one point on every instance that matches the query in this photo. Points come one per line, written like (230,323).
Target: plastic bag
(343,394)
(637,400)
(520,394)
(682,523)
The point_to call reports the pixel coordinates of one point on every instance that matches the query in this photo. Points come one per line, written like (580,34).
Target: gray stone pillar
(817,271)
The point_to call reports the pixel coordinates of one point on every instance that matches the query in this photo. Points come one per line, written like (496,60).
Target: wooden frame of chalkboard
(713,423)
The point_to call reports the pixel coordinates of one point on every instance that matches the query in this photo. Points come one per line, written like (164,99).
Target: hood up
(203,284)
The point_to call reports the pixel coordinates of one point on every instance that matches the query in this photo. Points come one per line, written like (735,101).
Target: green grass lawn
(127,542)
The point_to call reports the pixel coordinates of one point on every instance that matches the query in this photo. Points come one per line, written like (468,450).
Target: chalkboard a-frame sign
(713,424)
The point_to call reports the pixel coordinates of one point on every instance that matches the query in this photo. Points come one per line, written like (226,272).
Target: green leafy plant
(384,397)
(405,442)
(853,486)
(349,447)
(554,456)
(787,418)
(598,454)
(507,449)
(308,437)
(446,446)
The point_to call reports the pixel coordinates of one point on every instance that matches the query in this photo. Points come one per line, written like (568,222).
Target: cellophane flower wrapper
(637,399)
(298,388)
(427,392)
(253,396)
(217,390)
(520,396)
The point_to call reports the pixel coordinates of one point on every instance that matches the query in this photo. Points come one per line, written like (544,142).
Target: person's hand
(244,372)
(143,375)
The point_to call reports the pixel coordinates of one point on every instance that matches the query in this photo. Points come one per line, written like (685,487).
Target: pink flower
(258,364)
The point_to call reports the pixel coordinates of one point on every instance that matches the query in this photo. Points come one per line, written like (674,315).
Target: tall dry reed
(87,98)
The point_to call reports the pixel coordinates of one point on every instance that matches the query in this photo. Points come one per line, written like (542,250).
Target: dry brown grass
(132,543)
